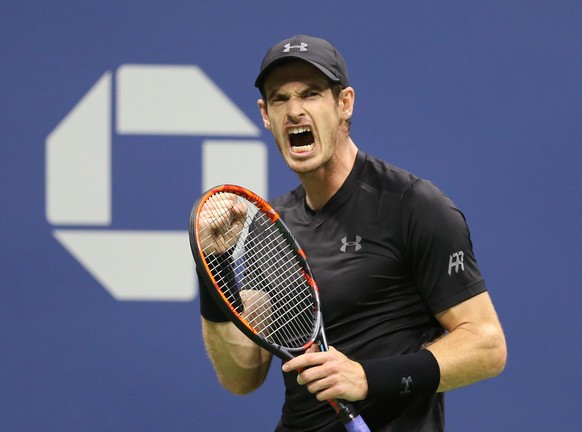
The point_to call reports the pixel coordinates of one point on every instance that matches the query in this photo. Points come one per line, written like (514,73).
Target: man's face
(301,112)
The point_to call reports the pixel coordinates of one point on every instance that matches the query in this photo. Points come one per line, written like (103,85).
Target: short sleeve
(438,248)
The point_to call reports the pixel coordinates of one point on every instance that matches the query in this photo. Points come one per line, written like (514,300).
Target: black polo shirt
(388,252)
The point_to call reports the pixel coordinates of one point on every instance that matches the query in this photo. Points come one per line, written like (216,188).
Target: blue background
(482,98)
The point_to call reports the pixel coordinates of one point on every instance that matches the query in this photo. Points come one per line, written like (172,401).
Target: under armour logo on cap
(302,47)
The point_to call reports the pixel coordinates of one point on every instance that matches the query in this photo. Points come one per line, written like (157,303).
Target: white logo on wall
(150,100)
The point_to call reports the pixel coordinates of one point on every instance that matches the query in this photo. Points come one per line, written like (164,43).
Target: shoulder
(411,189)
(428,201)
(417,198)
(406,184)
(385,177)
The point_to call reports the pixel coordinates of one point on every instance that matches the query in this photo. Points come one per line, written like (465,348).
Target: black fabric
(402,376)
(209,308)
(221,267)
(388,252)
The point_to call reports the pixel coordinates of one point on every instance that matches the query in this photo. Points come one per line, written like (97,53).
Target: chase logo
(156,100)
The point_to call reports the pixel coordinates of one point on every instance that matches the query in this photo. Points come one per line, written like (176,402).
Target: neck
(322,184)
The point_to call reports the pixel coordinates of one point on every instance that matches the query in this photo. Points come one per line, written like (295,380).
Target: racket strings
(291,311)
(263,280)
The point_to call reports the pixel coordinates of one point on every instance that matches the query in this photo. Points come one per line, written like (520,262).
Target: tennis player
(407,313)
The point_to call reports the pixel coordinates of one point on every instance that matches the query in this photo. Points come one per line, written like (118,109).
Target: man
(406,310)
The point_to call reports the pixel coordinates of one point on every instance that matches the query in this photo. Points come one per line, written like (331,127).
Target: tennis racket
(259,275)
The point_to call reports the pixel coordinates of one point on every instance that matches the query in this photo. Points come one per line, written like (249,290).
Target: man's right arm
(241,365)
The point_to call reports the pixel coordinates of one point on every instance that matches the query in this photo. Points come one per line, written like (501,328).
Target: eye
(277,99)
(312,94)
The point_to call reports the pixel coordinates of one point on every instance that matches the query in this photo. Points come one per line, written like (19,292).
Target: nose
(295,108)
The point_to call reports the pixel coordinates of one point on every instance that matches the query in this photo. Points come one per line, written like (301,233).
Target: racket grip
(357,425)
(353,422)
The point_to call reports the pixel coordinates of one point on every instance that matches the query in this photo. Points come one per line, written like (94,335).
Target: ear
(264,115)
(346,103)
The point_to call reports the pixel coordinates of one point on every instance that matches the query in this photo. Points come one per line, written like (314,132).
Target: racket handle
(352,421)
(357,425)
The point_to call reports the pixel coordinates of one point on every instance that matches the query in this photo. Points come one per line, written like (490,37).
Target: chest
(356,257)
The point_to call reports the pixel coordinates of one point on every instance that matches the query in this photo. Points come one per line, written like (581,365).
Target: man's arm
(241,366)
(474,348)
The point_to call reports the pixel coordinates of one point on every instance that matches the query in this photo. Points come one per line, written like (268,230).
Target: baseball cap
(319,52)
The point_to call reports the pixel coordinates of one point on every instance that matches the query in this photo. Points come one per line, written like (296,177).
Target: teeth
(299,130)
(303,149)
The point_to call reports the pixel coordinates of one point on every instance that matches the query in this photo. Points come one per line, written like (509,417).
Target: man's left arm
(474,347)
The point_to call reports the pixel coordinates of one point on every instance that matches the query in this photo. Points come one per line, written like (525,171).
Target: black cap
(319,52)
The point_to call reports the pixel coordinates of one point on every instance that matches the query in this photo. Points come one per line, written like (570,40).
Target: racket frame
(285,353)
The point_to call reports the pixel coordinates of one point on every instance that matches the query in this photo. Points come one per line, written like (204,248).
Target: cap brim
(263,74)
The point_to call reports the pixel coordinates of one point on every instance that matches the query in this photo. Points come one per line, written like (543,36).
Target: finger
(221,211)
(239,210)
(303,361)
(214,214)
(310,376)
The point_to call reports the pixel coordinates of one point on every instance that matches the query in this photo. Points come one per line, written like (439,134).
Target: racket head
(255,269)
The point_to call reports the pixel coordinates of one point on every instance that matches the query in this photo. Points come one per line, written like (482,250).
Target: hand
(221,222)
(329,375)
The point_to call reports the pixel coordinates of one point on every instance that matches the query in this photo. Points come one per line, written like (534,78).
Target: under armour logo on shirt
(456,262)
(355,244)
(288,47)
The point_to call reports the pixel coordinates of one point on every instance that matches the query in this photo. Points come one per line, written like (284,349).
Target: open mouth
(301,139)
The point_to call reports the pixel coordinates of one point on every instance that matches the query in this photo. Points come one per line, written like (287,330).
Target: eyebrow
(320,87)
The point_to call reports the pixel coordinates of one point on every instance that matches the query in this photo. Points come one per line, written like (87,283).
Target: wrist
(402,376)
(209,308)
